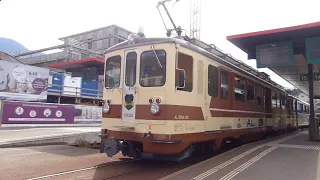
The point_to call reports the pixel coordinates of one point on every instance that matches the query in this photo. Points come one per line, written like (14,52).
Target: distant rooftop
(93,30)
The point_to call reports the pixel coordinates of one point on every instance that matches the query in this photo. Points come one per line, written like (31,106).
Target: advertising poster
(37,113)
(22,82)
(87,114)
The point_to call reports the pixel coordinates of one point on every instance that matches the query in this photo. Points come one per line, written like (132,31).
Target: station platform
(10,137)
(290,157)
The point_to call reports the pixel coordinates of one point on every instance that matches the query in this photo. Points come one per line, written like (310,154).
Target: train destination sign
(304,77)
(275,54)
(313,50)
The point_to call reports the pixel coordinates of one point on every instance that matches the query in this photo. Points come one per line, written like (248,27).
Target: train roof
(208,50)
(289,95)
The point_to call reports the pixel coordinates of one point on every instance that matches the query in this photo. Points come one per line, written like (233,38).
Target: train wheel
(240,141)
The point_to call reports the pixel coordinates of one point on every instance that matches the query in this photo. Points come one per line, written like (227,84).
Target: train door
(129,89)
(202,97)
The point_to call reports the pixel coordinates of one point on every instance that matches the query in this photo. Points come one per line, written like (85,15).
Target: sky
(39,23)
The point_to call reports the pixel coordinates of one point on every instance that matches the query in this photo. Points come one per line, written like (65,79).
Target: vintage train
(166,98)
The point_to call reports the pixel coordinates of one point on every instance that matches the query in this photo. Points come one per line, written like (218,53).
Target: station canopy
(78,63)
(286,51)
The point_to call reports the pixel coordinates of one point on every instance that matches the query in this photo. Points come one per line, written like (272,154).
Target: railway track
(65,173)
(131,169)
(126,169)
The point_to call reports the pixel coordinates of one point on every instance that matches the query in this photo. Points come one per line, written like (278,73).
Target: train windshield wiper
(156,56)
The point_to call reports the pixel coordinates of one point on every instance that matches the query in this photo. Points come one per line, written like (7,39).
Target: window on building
(112,74)
(224,85)
(89,74)
(89,45)
(212,81)
(84,55)
(153,68)
(251,92)
(239,89)
(131,68)
(185,62)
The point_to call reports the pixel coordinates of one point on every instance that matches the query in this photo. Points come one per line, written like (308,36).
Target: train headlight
(154,109)
(106,108)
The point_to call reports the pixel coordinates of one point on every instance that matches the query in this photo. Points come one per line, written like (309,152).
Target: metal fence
(68,91)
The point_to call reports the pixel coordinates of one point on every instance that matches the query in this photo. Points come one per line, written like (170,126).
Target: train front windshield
(152,70)
(113,66)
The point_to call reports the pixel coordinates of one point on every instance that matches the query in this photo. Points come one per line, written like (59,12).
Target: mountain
(11,46)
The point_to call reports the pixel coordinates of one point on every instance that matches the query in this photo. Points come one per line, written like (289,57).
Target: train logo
(260,122)
(249,123)
(128,101)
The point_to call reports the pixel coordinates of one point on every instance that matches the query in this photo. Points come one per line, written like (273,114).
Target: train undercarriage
(135,149)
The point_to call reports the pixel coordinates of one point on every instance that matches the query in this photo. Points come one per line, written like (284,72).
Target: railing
(69,91)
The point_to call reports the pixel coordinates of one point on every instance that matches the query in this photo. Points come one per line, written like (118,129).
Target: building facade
(77,68)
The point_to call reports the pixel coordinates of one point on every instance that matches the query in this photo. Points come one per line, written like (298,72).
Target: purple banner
(37,113)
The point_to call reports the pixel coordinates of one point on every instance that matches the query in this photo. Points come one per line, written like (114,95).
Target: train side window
(89,74)
(251,92)
(212,81)
(259,95)
(264,97)
(274,99)
(185,62)
(239,91)
(301,108)
(278,99)
(305,109)
(224,85)
(282,100)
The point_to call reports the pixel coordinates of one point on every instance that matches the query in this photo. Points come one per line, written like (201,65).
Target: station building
(76,70)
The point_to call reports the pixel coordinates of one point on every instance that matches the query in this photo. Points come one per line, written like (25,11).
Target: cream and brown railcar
(166,97)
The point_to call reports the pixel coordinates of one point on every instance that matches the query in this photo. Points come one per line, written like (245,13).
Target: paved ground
(287,157)
(292,157)
(29,162)
(27,134)
(62,162)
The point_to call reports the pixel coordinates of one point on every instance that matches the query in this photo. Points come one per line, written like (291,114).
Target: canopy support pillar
(313,123)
